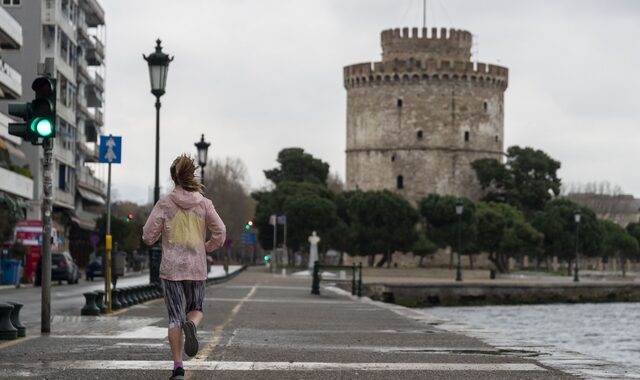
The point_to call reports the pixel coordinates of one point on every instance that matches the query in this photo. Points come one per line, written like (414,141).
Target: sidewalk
(264,326)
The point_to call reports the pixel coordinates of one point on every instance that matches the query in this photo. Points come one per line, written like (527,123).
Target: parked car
(63,268)
(94,269)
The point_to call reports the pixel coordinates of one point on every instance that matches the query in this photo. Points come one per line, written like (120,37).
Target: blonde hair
(183,173)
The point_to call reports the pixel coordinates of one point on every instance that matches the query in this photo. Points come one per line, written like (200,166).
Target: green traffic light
(266,257)
(43,127)
(247,227)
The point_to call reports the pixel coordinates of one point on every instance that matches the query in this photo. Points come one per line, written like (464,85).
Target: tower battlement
(415,71)
(423,44)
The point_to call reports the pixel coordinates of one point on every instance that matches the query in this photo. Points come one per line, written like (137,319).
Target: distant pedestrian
(182,218)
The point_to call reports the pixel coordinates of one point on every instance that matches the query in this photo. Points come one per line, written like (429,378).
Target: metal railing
(356,281)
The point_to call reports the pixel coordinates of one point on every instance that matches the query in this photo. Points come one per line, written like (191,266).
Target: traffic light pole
(47,209)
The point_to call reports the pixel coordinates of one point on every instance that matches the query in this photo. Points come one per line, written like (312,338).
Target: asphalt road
(265,326)
(67,300)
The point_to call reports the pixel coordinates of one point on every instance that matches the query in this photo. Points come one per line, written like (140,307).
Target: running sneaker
(190,338)
(178,374)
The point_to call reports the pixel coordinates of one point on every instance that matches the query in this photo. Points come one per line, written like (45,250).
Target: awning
(88,225)
(91,196)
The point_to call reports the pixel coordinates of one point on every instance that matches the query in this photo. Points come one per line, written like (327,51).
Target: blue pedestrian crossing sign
(111,149)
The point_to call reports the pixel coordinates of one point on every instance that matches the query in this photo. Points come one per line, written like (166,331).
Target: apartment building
(73,33)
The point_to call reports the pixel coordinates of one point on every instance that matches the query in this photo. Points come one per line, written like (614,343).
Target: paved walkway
(264,326)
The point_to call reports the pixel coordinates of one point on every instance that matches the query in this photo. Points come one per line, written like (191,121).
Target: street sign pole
(108,244)
(110,153)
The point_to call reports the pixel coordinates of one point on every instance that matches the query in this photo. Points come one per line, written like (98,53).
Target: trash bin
(10,272)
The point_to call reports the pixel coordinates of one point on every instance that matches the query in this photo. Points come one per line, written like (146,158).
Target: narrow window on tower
(393,157)
(399,103)
(485,105)
(419,135)
(400,182)
(497,139)
(466,136)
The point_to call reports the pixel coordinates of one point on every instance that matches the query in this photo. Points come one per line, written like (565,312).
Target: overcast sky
(256,76)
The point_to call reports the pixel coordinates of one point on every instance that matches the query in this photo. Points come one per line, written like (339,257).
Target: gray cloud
(257,76)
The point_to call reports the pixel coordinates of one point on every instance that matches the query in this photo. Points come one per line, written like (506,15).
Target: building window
(485,105)
(62,177)
(497,139)
(466,136)
(419,135)
(399,103)
(393,157)
(400,182)
(11,3)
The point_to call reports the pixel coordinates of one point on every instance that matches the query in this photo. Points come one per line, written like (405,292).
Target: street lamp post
(459,210)
(158,67)
(203,150)
(577,216)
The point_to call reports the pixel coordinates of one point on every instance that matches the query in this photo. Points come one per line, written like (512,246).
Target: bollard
(100,301)
(90,308)
(158,290)
(122,297)
(360,280)
(315,283)
(7,330)
(144,293)
(353,279)
(15,319)
(135,295)
(127,294)
(115,299)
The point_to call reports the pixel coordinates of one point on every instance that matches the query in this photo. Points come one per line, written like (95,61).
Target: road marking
(276,366)
(217,332)
(276,300)
(14,342)
(274,287)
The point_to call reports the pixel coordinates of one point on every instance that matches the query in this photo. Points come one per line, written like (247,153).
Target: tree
(617,242)
(557,223)
(227,186)
(273,203)
(528,179)
(423,247)
(298,166)
(503,233)
(442,223)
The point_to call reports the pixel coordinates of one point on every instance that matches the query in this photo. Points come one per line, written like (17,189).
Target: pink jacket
(182,219)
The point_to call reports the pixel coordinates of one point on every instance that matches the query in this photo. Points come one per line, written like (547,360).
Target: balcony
(89,154)
(94,95)
(99,82)
(89,182)
(63,199)
(83,33)
(95,52)
(10,31)
(16,184)
(53,14)
(10,81)
(93,13)
(63,155)
(82,71)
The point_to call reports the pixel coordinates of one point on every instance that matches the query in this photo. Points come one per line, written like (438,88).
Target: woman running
(182,219)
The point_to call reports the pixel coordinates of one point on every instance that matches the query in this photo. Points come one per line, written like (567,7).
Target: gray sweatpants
(181,297)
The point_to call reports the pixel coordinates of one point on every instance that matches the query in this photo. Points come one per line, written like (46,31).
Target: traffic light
(248,225)
(39,115)
(129,218)
(267,258)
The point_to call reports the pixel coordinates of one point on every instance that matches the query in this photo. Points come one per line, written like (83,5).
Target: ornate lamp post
(158,68)
(459,210)
(203,149)
(577,216)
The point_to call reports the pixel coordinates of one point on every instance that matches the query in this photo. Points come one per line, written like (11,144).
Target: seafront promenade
(261,325)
